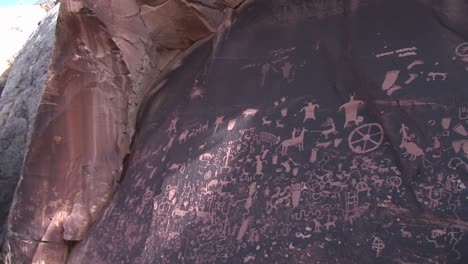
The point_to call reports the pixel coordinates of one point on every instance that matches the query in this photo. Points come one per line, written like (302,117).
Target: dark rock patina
(312,132)
(18,103)
(303,131)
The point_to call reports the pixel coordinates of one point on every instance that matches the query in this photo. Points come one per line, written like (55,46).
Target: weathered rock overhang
(106,57)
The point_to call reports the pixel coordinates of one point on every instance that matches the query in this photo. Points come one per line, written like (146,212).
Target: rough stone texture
(452,16)
(18,103)
(308,132)
(3,79)
(301,131)
(107,55)
(47,4)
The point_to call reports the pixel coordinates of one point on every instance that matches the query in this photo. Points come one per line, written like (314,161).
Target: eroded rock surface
(103,63)
(18,104)
(268,132)
(319,137)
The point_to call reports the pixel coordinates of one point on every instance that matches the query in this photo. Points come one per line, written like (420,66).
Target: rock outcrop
(256,131)
(103,64)
(18,104)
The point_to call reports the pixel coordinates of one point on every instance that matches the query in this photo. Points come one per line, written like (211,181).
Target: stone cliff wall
(228,131)
(18,104)
(106,57)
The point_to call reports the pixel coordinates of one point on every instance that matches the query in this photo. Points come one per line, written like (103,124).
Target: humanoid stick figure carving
(351,110)
(169,143)
(172,125)
(264,71)
(219,121)
(288,71)
(309,111)
(404,133)
(183,136)
(197,91)
(455,238)
(259,165)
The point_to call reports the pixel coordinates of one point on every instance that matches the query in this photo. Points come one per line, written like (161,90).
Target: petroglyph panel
(263,150)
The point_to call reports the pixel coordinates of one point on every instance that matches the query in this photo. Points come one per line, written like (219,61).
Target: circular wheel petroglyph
(366,138)
(462,50)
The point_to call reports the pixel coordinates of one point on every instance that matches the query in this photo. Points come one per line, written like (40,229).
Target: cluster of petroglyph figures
(283,178)
(253,189)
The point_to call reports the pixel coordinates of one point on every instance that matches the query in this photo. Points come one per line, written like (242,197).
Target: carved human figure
(197,91)
(287,71)
(219,120)
(309,111)
(172,125)
(351,111)
(252,190)
(183,136)
(404,132)
(264,71)
(169,143)
(259,165)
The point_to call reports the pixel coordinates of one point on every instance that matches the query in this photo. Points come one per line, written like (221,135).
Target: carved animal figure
(295,141)
(405,234)
(332,130)
(411,149)
(266,122)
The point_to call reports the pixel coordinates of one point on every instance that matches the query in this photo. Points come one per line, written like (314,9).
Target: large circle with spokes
(366,138)
(462,50)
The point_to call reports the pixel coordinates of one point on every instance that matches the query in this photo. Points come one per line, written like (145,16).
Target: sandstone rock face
(102,64)
(307,132)
(302,131)
(18,103)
